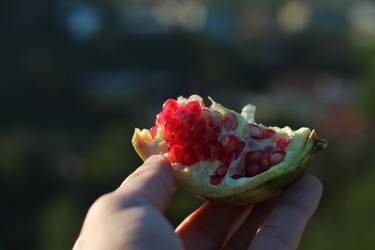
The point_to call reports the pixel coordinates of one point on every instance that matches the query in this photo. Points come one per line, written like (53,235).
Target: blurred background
(78,76)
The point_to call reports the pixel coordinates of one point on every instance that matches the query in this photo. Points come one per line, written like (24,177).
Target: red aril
(230,121)
(276,157)
(170,105)
(221,171)
(195,109)
(176,151)
(283,142)
(198,129)
(153,131)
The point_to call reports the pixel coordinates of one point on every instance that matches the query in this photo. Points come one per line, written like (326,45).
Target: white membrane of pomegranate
(205,171)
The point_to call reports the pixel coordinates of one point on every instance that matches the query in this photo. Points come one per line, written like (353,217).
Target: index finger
(152,182)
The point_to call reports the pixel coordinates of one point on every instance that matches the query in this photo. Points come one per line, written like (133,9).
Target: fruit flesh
(217,153)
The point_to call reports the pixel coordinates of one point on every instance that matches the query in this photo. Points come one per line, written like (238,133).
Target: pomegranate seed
(171,105)
(189,158)
(214,119)
(265,162)
(240,145)
(210,135)
(181,133)
(229,157)
(188,120)
(176,152)
(254,156)
(283,142)
(195,109)
(231,143)
(196,98)
(221,171)
(206,114)
(215,180)
(162,117)
(268,133)
(216,150)
(170,129)
(153,132)
(180,113)
(202,151)
(269,148)
(198,129)
(253,131)
(230,121)
(252,169)
(276,157)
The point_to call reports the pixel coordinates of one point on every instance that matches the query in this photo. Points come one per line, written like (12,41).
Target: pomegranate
(221,155)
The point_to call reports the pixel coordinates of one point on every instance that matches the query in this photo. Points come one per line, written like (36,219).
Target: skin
(131,217)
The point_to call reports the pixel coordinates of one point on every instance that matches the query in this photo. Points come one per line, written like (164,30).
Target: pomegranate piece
(194,137)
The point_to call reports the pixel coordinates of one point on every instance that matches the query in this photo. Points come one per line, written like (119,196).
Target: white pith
(197,176)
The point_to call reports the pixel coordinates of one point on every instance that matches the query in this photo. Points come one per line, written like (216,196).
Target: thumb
(152,182)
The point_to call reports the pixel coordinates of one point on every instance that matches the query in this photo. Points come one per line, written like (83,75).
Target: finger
(209,226)
(152,182)
(242,237)
(284,226)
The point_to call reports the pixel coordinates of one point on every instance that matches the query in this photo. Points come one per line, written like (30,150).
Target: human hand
(131,217)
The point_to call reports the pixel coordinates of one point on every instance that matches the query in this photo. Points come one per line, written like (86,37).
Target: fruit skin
(254,194)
